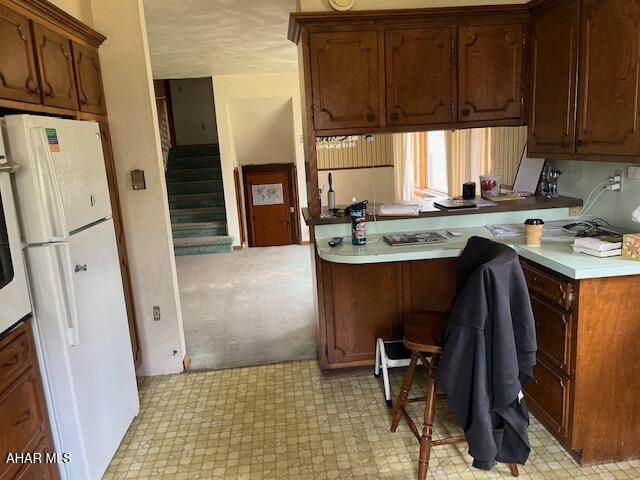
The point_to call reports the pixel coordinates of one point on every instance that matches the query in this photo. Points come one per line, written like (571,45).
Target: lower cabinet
(359,303)
(587,364)
(23,416)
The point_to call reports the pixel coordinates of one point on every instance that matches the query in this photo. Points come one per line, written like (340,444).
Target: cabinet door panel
(18,75)
(89,78)
(490,72)
(554,62)
(346,68)
(609,78)
(420,81)
(361,304)
(56,68)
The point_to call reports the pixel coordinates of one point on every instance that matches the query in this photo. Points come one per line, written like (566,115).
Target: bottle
(331,195)
(358,211)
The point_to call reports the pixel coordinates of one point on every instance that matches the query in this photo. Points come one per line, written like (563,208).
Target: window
(430,163)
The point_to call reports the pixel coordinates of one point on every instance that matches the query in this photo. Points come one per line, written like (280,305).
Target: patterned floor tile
(287,421)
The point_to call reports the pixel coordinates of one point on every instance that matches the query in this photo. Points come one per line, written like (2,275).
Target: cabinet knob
(51,93)
(36,91)
(466,112)
(395,116)
(371,117)
(580,142)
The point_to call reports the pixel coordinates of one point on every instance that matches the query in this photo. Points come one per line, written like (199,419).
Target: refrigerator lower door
(84,347)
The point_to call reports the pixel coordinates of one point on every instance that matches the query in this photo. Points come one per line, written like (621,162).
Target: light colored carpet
(251,307)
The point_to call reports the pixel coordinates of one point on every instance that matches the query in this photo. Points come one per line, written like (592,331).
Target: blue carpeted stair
(196,201)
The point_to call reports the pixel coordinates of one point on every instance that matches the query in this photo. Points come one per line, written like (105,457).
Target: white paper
(636,215)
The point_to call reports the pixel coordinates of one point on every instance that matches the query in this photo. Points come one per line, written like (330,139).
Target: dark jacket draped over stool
(489,354)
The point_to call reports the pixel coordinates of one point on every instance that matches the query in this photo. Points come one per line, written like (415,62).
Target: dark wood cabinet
(420,76)
(23,416)
(360,303)
(609,104)
(89,79)
(18,72)
(586,335)
(347,71)
(554,63)
(490,59)
(55,62)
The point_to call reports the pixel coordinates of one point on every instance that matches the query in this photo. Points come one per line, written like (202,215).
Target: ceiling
(198,38)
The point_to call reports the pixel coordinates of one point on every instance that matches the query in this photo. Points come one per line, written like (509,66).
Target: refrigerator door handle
(48,177)
(64,258)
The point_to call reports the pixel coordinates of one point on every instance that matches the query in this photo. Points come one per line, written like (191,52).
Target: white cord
(593,202)
(586,202)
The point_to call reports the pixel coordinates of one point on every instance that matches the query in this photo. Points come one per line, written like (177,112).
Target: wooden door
(89,79)
(609,78)
(554,63)
(361,304)
(347,74)
(271,204)
(56,68)
(490,72)
(420,76)
(18,73)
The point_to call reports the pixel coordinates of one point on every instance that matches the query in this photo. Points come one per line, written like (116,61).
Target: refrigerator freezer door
(93,394)
(61,183)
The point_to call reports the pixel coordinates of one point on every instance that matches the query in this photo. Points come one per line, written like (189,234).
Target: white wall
(193,111)
(246,106)
(81,9)
(136,144)
(362,183)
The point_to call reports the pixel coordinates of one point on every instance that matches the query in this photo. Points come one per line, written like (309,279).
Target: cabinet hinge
(453,46)
(452,104)
(524,40)
(522,99)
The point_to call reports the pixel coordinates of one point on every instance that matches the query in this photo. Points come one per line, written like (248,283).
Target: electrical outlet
(619,175)
(156,313)
(633,173)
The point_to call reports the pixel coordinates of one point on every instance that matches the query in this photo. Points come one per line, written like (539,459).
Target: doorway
(271,205)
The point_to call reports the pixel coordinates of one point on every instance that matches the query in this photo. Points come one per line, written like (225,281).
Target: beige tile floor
(286,421)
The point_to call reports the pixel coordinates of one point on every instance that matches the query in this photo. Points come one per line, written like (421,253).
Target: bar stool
(422,329)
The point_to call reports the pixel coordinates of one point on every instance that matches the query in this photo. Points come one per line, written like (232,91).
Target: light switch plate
(633,172)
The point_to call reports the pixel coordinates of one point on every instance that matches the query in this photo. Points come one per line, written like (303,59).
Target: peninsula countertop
(556,255)
(430,211)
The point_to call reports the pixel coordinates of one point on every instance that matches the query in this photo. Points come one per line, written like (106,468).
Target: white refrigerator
(80,319)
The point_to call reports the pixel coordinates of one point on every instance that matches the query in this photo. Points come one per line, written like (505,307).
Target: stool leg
(514,470)
(404,392)
(385,381)
(376,367)
(429,414)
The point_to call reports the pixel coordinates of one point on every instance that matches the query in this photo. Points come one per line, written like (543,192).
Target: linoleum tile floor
(287,421)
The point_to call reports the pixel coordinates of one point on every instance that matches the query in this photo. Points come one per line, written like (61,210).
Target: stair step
(199,214)
(199,229)
(177,163)
(194,151)
(200,241)
(194,186)
(193,200)
(185,174)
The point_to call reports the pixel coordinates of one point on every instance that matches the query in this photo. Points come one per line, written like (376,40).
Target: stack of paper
(516,230)
(598,247)
(400,209)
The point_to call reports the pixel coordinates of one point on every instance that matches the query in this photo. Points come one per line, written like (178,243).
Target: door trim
(290,168)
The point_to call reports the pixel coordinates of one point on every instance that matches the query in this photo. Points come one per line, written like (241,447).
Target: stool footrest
(449,441)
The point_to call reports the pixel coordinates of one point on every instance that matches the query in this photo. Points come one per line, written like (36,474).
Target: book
(599,243)
(598,253)
(420,238)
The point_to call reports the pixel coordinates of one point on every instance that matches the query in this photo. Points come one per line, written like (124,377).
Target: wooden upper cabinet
(420,80)
(18,73)
(490,72)
(89,79)
(347,74)
(56,68)
(554,63)
(609,78)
